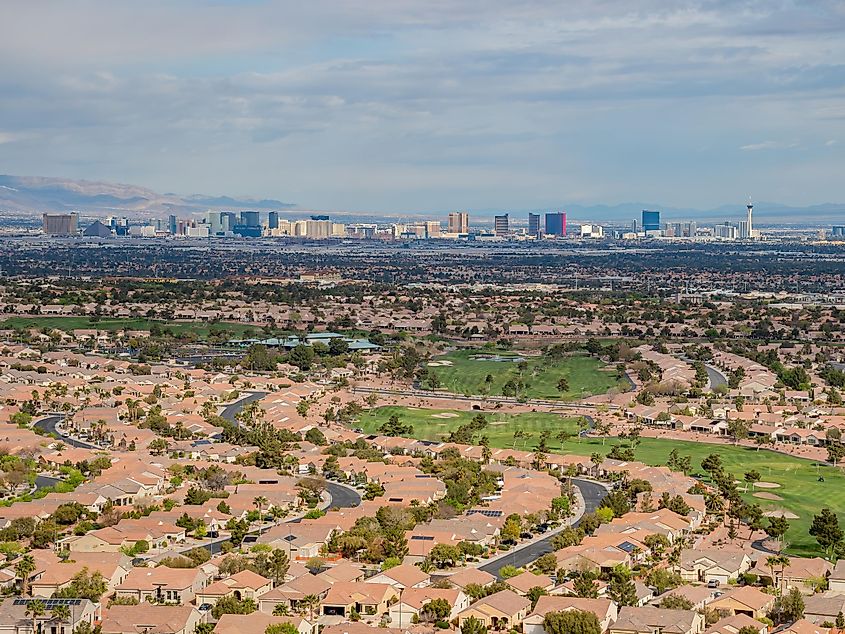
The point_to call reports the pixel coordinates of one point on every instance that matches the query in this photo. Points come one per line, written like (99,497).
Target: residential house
(146,618)
(258,622)
(604,609)
(402,577)
(365,599)
(242,585)
(412,602)
(163,584)
(648,620)
(713,565)
(744,600)
(15,620)
(503,610)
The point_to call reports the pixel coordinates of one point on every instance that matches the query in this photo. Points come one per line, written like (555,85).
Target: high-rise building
(171,224)
(651,220)
(556,224)
(837,231)
(432,229)
(501,225)
(250,218)
(458,222)
(746,227)
(60,224)
(750,208)
(273,220)
(318,229)
(725,231)
(228,221)
(534,225)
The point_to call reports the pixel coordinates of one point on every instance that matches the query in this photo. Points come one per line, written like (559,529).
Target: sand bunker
(781,513)
(768,496)
(767,485)
(439,364)
(445,415)
(500,422)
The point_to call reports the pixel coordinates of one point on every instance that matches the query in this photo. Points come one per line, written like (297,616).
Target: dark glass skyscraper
(556,223)
(651,220)
(534,225)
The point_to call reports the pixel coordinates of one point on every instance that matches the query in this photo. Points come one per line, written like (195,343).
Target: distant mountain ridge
(31,195)
(37,194)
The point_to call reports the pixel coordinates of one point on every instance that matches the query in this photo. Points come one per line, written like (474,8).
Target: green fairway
(433,424)
(800,490)
(463,372)
(200,329)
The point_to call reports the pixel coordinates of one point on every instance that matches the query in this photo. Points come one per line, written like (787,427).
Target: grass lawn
(432,424)
(800,489)
(200,329)
(464,374)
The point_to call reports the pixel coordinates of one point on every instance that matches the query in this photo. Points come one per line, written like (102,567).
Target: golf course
(791,484)
(506,373)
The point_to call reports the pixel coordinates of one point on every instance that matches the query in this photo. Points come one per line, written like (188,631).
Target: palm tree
(35,609)
(259,502)
(61,613)
(24,568)
(310,601)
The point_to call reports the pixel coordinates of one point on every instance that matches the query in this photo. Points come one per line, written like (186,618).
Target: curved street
(592,492)
(231,410)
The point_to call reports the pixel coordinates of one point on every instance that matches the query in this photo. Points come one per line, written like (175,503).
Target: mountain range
(32,195)
(38,194)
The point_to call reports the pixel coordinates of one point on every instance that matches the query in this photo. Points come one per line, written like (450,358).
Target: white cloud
(767,145)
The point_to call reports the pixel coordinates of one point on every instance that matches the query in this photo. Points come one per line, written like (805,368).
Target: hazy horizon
(397,107)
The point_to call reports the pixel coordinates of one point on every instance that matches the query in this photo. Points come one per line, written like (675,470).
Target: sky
(409,105)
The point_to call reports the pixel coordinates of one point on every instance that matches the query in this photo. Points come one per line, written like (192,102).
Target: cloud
(391,104)
(767,145)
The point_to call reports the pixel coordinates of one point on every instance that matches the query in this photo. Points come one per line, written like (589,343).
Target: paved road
(48,424)
(592,492)
(716,377)
(232,409)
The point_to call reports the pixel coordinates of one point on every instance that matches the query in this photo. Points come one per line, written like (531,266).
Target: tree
(546,564)
(788,608)
(585,586)
(621,587)
(85,585)
(444,555)
(778,525)
(281,628)
(562,384)
(302,356)
(825,528)
(571,622)
(277,565)
(675,602)
(61,613)
(35,609)
(752,477)
(436,610)
(472,625)
(231,605)
(316,437)
(597,459)
(23,569)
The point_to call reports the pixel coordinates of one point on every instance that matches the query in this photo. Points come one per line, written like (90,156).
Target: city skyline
(402,107)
